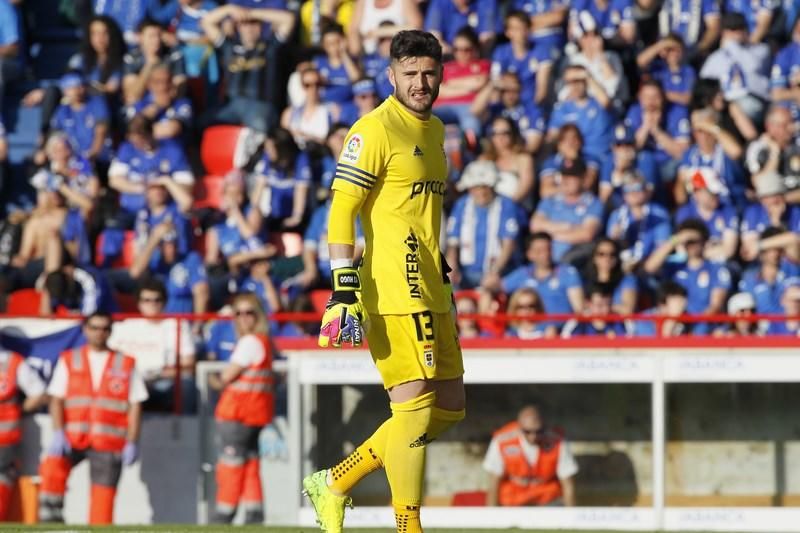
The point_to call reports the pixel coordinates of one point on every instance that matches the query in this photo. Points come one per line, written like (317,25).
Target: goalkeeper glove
(345,319)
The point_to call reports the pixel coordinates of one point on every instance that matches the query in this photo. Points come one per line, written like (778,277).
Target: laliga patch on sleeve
(353,148)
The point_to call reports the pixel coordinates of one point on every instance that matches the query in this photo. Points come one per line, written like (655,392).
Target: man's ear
(390,73)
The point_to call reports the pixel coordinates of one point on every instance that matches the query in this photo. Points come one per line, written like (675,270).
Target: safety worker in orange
(96,408)
(530,463)
(244,408)
(17,378)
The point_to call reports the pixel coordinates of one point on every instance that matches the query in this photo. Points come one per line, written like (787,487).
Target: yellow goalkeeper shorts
(421,345)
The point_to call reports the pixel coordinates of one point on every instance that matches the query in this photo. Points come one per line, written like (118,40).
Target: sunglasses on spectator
(603,253)
(309,84)
(92,327)
(462,49)
(148,300)
(574,80)
(692,242)
(532,431)
(527,305)
(496,133)
(245,312)
(510,90)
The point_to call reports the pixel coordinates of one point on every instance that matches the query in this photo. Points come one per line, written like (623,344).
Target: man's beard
(419,107)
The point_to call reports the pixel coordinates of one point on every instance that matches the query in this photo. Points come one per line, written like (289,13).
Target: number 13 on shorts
(423,325)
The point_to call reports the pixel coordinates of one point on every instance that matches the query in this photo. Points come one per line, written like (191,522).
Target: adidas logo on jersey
(417,151)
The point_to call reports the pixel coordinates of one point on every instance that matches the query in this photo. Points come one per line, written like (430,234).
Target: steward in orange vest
(96,396)
(16,379)
(519,481)
(244,408)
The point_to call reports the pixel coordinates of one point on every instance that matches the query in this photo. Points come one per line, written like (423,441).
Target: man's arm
(493,490)
(213,19)
(568,491)
(57,413)
(711,33)
(282,20)
(763,21)
(134,422)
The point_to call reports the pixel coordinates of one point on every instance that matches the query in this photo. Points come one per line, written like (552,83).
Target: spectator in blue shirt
(339,71)
(502,98)
(445,17)
(696,21)
(80,289)
(706,283)
(659,128)
(626,162)
(765,280)
(671,305)
(238,231)
(3,155)
(785,74)
(526,301)
(10,45)
(141,160)
(569,147)
(531,64)
(283,180)
(592,117)
(720,219)
(482,230)
(605,269)
(171,114)
(365,99)
(573,217)
(639,225)
(220,340)
(376,64)
(100,58)
(192,42)
(84,118)
(183,274)
(547,23)
(714,149)
(790,302)
(666,62)
(771,210)
(558,285)
(249,63)
(757,13)
(614,19)
(598,306)
(333,144)
(139,62)
(258,281)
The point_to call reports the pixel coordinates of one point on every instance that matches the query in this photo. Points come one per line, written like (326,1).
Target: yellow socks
(442,420)
(364,460)
(405,457)
(407,518)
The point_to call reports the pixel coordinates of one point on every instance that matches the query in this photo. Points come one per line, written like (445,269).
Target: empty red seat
(217,148)
(23,302)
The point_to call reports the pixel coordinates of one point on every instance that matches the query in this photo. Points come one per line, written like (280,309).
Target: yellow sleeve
(363,158)
(342,218)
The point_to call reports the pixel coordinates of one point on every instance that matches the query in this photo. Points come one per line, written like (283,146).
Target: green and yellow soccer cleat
(328,506)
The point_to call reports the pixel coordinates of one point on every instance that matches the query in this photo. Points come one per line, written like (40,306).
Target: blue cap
(365,86)
(623,135)
(70,80)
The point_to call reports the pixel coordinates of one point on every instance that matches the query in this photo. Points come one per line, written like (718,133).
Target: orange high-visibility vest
(524,483)
(10,409)
(249,398)
(97,418)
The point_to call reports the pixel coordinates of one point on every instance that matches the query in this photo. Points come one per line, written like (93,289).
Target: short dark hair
(98,314)
(520,15)
(669,288)
(598,287)
(415,43)
(153,285)
(55,283)
(147,23)
(141,125)
(771,232)
(469,34)
(538,236)
(331,26)
(695,224)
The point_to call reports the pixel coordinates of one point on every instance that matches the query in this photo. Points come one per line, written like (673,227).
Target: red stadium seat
(208,191)
(217,148)
(23,302)
(319,299)
(126,302)
(475,498)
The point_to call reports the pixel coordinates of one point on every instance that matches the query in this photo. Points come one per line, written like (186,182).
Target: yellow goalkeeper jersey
(395,163)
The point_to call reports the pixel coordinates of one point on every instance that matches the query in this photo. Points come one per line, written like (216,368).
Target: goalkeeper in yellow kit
(392,172)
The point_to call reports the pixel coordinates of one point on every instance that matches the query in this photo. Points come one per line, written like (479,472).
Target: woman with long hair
(605,269)
(506,148)
(526,301)
(244,408)
(100,55)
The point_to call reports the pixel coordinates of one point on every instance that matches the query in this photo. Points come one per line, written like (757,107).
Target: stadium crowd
(606,157)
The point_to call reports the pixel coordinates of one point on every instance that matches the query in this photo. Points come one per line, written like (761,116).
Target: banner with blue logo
(41,341)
